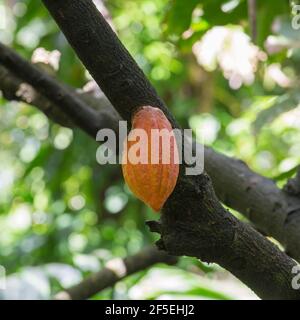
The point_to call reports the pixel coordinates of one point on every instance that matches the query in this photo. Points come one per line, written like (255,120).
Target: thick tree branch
(84,117)
(274,212)
(115,271)
(203,228)
(13,88)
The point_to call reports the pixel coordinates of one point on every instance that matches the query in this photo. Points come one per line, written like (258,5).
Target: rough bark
(85,118)
(274,212)
(13,88)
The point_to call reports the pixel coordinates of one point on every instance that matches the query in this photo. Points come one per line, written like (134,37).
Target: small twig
(115,271)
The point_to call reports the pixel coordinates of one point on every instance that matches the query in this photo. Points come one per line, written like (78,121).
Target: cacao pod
(151,181)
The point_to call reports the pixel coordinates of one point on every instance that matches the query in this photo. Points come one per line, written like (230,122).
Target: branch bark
(14,88)
(274,212)
(203,229)
(115,271)
(82,116)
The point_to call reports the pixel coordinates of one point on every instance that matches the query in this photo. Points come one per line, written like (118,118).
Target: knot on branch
(189,227)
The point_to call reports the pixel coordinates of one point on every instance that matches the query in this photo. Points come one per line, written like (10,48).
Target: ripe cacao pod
(151,182)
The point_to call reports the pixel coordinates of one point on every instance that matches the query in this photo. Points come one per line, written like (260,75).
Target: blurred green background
(63,216)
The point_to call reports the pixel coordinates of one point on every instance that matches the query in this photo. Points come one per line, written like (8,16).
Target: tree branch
(14,88)
(83,116)
(203,228)
(115,271)
(274,212)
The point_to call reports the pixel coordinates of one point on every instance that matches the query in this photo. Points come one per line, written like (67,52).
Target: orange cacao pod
(151,182)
